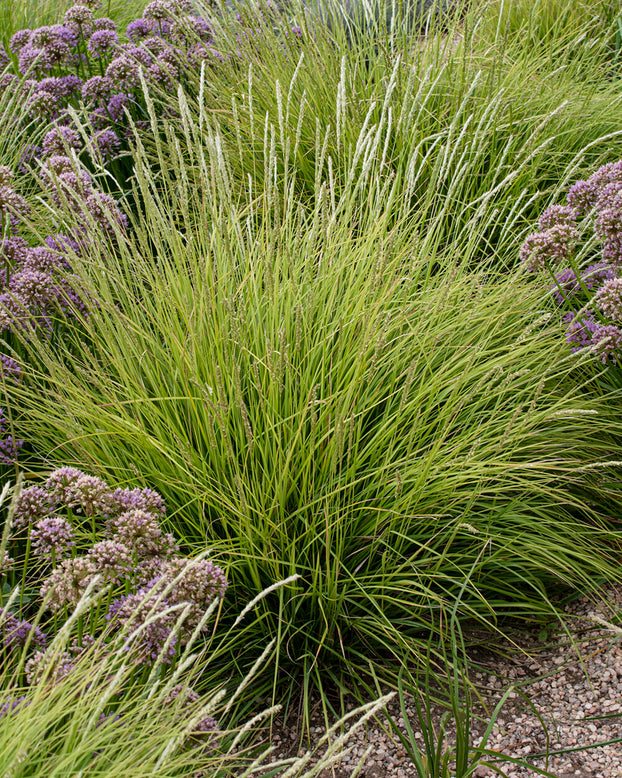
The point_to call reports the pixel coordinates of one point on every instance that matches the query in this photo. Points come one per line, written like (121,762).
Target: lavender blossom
(9,447)
(52,537)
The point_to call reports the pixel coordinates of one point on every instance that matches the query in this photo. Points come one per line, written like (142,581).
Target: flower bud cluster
(591,296)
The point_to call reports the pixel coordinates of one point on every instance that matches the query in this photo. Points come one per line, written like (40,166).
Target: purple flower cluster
(594,292)
(134,553)
(15,633)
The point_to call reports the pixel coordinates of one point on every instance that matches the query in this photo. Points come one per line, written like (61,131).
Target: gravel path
(574,685)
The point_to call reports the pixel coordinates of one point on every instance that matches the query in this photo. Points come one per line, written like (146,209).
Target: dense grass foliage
(313,338)
(400,429)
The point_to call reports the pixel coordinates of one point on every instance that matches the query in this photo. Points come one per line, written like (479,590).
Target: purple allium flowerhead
(4,57)
(43,259)
(607,343)
(12,705)
(105,211)
(198,583)
(550,246)
(6,563)
(79,15)
(52,537)
(62,87)
(67,582)
(108,144)
(104,24)
(141,610)
(138,499)
(45,36)
(139,29)
(140,55)
(609,298)
(112,560)
(608,174)
(33,287)
(11,202)
(59,485)
(556,214)
(50,665)
(97,89)
(89,495)
(32,504)
(12,250)
(72,297)
(582,197)
(102,43)
(19,40)
(34,61)
(9,81)
(579,330)
(10,369)
(158,10)
(141,532)
(147,570)
(43,104)
(16,633)
(94,5)
(116,106)
(9,450)
(161,76)
(6,175)
(60,139)
(123,72)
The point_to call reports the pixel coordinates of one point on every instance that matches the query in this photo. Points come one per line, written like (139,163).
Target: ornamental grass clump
(580,246)
(320,390)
